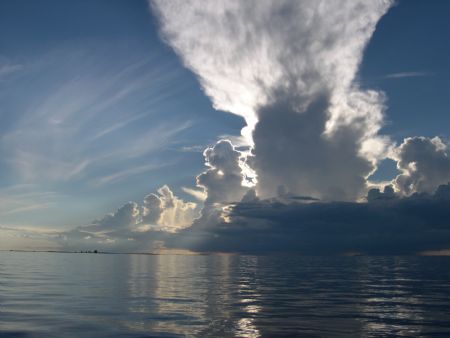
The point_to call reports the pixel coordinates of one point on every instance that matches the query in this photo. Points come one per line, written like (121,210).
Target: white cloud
(175,214)
(133,227)
(424,165)
(199,195)
(403,75)
(152,209)
(222,181)
(288,68)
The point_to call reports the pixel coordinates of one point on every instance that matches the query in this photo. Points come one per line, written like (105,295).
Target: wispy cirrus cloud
(8,67)
(402,75)
(87,115)
(119,176)
(24,198)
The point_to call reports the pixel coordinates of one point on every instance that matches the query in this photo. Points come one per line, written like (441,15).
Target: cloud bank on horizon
(298,178)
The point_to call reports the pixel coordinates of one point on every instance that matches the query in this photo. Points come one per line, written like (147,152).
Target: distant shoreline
(438,253)
(103,252)
(82,252)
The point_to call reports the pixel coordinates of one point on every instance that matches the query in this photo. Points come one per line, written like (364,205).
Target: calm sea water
(89,295)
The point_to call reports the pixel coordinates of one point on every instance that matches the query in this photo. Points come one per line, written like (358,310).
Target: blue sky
(408,58)
(96,110)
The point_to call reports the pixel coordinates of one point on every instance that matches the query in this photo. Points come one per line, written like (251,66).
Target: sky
(141,126)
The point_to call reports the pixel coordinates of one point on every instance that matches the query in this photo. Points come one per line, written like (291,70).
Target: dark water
(88,295)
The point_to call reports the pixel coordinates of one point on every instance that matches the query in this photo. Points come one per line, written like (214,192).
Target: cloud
(424,165)
(134,227)
(197,194)
(403,75)
(152,209)
(192,149)
(175,213)
(384,225)
(25,238)
(222,181)
(117,231)
(240,58)
(311,141)
(124,174)
(311,127)
(91,109)
(24,198)
(235,219)
(292,151)
(8,68)
(126,216)
(376,195)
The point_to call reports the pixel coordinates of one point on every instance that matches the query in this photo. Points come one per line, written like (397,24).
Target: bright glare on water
(95,295)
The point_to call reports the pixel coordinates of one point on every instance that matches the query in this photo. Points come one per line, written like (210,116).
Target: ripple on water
(73,295)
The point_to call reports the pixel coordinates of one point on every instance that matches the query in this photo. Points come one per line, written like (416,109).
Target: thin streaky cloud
(122,175)
(192,149)
(32,207)
(118,125)
(19,199)
(7,69)
(407,75)
(197,194)
(89,105)
(153,140)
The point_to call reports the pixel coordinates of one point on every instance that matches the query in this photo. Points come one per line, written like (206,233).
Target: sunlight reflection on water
(73,295)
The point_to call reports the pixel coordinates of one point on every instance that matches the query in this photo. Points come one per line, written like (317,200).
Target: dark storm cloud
(386,224)
(291,150)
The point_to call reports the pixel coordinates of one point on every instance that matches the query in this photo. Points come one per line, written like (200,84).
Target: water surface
(96,295)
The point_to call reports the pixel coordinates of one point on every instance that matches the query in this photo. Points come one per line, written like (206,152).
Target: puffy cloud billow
(424,165)
(165,211)
(132,227)
(222,181)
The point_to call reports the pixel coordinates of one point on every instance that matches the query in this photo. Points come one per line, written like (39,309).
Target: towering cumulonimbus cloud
(288,68)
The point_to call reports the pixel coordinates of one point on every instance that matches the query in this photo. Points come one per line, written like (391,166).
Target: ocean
(113,295)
